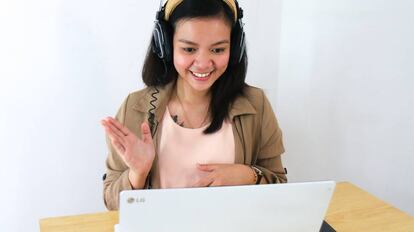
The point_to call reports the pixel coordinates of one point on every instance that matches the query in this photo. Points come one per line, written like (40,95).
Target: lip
(201,78)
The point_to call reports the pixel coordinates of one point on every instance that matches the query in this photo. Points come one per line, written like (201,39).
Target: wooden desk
(351,209)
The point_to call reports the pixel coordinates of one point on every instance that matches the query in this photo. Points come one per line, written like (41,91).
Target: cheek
(181,62)
(223,61)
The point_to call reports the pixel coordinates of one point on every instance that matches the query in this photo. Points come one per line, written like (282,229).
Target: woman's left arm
(271,147)
(266,158)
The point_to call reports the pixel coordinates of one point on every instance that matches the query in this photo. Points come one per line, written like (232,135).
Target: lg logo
(136,200)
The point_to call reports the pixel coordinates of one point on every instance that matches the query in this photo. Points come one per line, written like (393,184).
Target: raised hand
(138,154)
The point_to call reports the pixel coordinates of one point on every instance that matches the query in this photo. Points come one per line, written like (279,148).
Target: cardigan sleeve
(117,172)
(270,146)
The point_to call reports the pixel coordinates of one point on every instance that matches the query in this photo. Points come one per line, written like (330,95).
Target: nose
(203,61)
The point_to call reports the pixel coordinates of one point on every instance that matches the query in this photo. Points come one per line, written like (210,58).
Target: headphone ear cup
(167,30)
(161,41)
(157,41)
(238,44)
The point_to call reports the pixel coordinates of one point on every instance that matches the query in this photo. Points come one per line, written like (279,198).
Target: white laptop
(266,208)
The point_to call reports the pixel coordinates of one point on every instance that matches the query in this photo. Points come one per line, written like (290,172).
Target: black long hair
(225,89)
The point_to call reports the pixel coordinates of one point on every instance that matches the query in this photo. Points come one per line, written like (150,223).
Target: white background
(346,94)
(339,75)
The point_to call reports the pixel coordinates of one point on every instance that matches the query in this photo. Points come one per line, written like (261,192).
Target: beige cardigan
(257,137)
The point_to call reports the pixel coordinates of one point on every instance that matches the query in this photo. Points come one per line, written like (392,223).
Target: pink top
(180,149)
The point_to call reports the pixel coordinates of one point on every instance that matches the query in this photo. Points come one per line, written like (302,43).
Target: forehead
(202,30)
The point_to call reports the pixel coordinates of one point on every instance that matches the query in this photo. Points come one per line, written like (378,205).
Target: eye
(218,50)
(189,50)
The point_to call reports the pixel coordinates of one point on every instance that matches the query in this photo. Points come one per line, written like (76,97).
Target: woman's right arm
(130,158)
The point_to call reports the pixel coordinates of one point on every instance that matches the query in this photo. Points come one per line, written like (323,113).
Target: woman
(197,123)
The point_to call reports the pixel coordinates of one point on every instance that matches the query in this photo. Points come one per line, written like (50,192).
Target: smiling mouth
(201,75)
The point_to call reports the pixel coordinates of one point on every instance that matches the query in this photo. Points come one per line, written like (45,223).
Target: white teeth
(201,75)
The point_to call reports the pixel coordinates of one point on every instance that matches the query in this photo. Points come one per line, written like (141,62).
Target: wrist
(254,180)
(258,174)
(137,179)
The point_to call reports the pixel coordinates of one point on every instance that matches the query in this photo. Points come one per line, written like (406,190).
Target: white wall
(346,93)
(64,65)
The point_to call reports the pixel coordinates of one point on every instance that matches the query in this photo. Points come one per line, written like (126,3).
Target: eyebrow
(192,43)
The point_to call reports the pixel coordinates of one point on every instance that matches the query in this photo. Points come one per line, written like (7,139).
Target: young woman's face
(201,51)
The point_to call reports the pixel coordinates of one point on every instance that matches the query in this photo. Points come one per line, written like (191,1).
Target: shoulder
(131,101)
(256,97)
(136,96)
(135,107)
(252,102)
(254,94)
(140,99)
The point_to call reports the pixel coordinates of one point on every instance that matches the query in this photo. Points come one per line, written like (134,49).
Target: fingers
(116,138)
(146,133)
(115,141)
(116,135)
(209,179)
(215,183)
(112,131)
(121,131)
(118,147)
(207,167)
(204,182)
(118,126)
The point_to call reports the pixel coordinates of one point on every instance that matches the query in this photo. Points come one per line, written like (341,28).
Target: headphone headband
(172,4)
(162,41)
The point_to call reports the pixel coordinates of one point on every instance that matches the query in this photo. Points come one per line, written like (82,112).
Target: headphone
(162,46)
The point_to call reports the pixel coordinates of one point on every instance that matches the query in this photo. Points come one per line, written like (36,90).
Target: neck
(191,96)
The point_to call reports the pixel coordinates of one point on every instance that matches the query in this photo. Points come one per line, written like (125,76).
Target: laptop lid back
(275,207)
